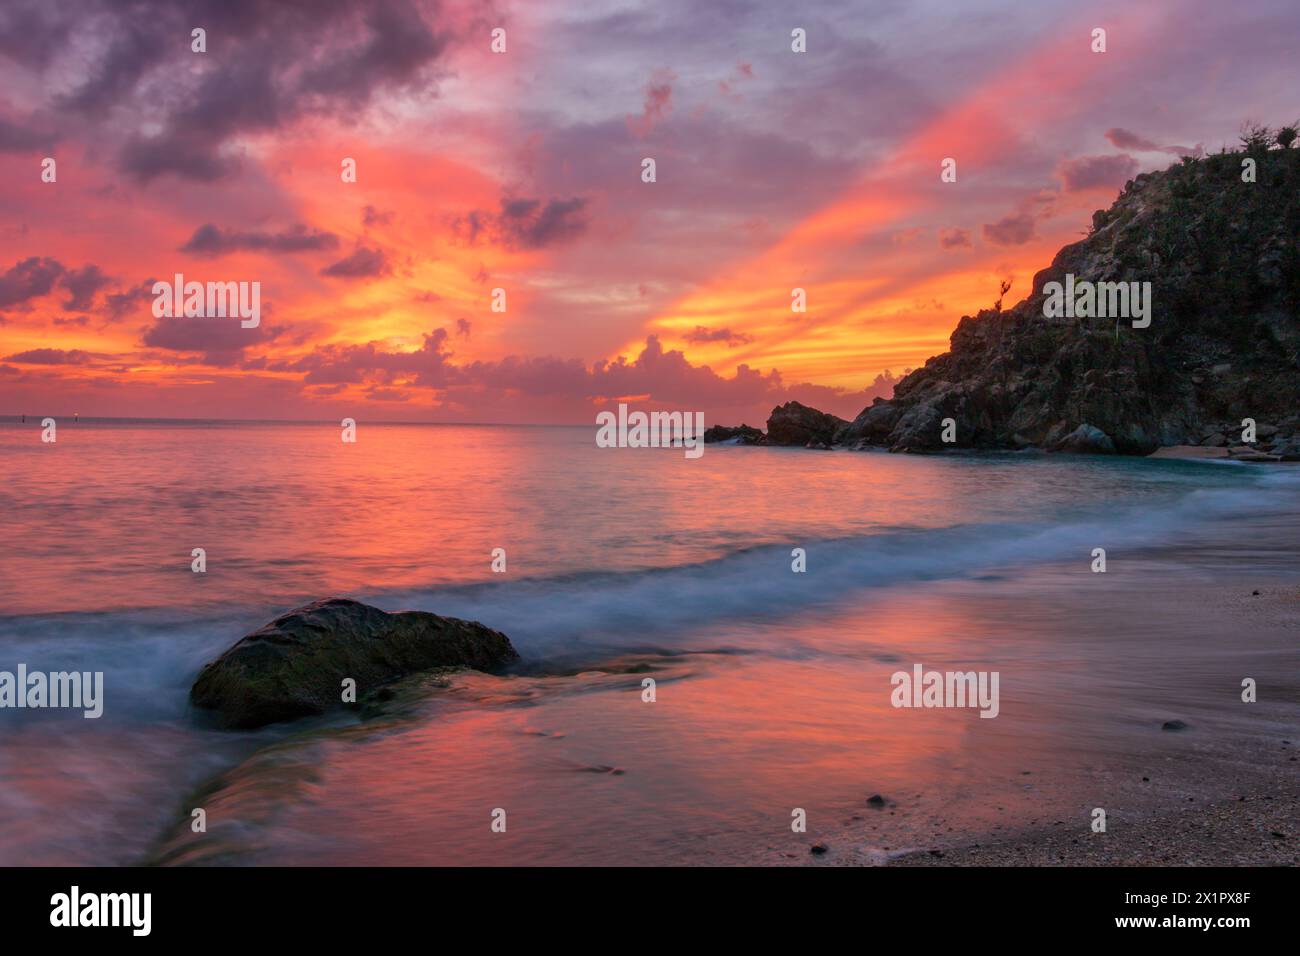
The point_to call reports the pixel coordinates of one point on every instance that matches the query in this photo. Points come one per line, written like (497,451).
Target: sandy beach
(1206,795)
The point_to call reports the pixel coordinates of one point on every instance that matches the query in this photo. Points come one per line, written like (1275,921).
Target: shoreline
(774,701)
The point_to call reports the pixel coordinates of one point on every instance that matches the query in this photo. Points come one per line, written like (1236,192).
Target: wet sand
(1206,795)
(710,773)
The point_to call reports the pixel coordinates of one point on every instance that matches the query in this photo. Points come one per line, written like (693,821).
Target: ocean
(772,688)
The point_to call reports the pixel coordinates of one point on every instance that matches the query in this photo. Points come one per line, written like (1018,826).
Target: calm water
(773,687)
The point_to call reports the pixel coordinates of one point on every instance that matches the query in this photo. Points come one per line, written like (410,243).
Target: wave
(573,615)
(150,657)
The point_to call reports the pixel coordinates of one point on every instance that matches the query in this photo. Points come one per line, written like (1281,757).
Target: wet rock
(817,849)
(1174,725)
(740,434)
(1086,440)
(876,800)
(295,666)
(1287,449)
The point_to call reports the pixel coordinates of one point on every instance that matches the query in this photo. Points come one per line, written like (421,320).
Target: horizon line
(17,419)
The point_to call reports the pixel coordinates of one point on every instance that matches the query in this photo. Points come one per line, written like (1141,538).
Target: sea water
(771,686)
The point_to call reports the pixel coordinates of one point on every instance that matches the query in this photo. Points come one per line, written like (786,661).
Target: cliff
(1223,343)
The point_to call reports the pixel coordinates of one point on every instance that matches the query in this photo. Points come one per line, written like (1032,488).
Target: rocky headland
(1222,257)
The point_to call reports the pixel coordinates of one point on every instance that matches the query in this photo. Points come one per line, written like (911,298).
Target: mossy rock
(295,666)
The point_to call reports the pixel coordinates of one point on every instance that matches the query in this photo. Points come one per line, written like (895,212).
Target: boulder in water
(295,666)
(740,434)
(797,424)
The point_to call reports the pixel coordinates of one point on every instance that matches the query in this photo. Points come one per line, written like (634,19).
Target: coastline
(1082,726)
(774,688)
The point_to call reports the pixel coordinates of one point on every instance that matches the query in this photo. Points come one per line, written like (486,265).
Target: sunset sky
(522,170)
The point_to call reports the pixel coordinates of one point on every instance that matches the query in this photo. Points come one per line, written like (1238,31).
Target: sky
(521,170)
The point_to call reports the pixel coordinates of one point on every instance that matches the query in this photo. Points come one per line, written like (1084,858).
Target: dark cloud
(117,305)
(268,64)
(189,157)
(209,240)
(955,239)
(15,137)
(221,341)
(397,44)
(525,223)
(354,364)
(721,173)
(29,279)
(132,48)
(1013,230)
(50,357)
(83,285)
(662,376)
(1125,139)
(361,264)
(36,276)
(700,335)
(32,32)
(1091,172)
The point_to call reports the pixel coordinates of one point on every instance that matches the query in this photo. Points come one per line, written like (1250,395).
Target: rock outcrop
(796,424)
(740,434)
(1223,344)
(295,666)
